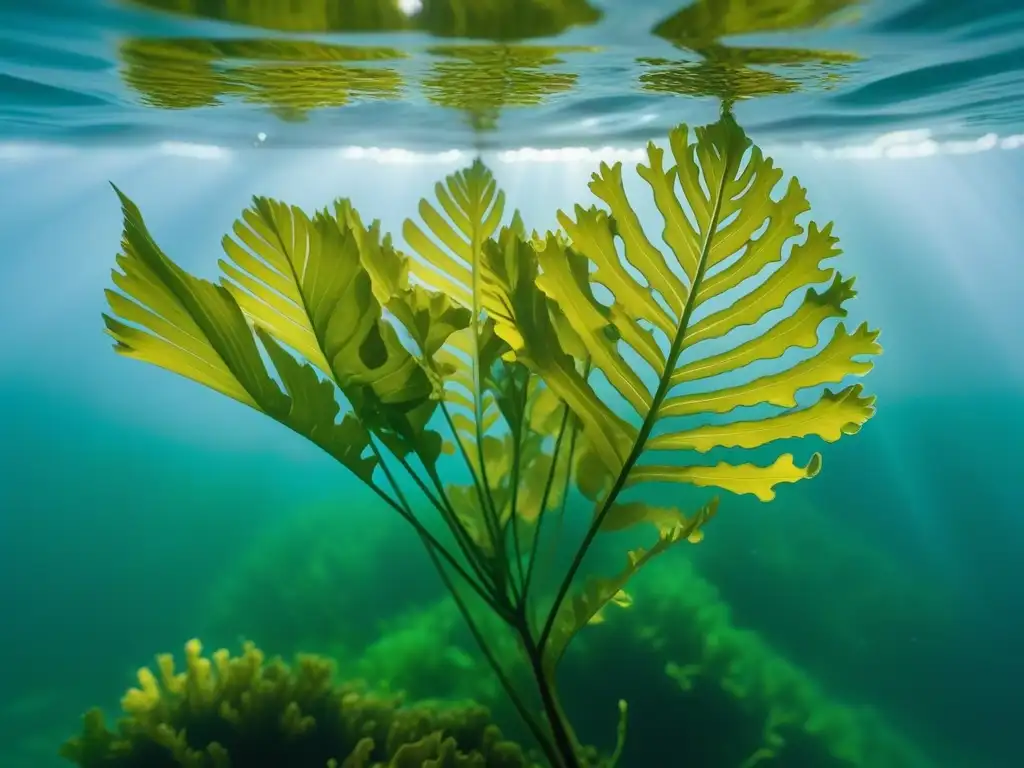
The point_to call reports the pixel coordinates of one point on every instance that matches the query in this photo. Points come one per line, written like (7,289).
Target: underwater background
(138,510)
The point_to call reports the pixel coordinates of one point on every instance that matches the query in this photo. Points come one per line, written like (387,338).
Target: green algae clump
(241,712)
(703,635)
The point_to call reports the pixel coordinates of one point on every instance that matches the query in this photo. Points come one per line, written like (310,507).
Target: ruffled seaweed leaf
(491,401)
(298,283)
(303,281)
(320,286)
(449,247)
(448,258)
(725,231)
(196,329)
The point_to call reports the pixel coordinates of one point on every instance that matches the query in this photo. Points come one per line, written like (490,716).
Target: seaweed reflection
(728,72)
(481,80)
(291,77)
(294,77)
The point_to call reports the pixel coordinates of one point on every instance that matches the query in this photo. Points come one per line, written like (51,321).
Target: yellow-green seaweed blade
(734,257)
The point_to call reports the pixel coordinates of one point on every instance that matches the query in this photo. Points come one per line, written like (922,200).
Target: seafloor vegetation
(686,664)
(240,711)
(678,627)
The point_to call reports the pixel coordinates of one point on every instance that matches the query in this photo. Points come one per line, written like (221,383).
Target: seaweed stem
(560,729)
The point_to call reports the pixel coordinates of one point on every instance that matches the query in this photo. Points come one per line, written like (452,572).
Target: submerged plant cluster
(230,712)
(495,372)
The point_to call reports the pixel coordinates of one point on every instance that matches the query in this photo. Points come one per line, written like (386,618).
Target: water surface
(422,74)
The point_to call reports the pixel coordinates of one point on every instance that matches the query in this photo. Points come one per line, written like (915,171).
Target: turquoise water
(135,506)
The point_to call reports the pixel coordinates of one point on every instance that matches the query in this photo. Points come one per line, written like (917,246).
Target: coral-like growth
(237,712)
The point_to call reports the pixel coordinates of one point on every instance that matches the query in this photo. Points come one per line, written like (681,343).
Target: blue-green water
(134,504)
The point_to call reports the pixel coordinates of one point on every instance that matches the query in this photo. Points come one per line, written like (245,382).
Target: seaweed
(496,369)
(226,711)
(686,625)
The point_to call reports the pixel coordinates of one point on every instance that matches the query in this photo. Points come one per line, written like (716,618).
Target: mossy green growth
(682,618)
(241,712)
(871,598)
(289,588)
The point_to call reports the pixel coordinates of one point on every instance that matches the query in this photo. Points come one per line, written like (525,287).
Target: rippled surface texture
(436,74)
